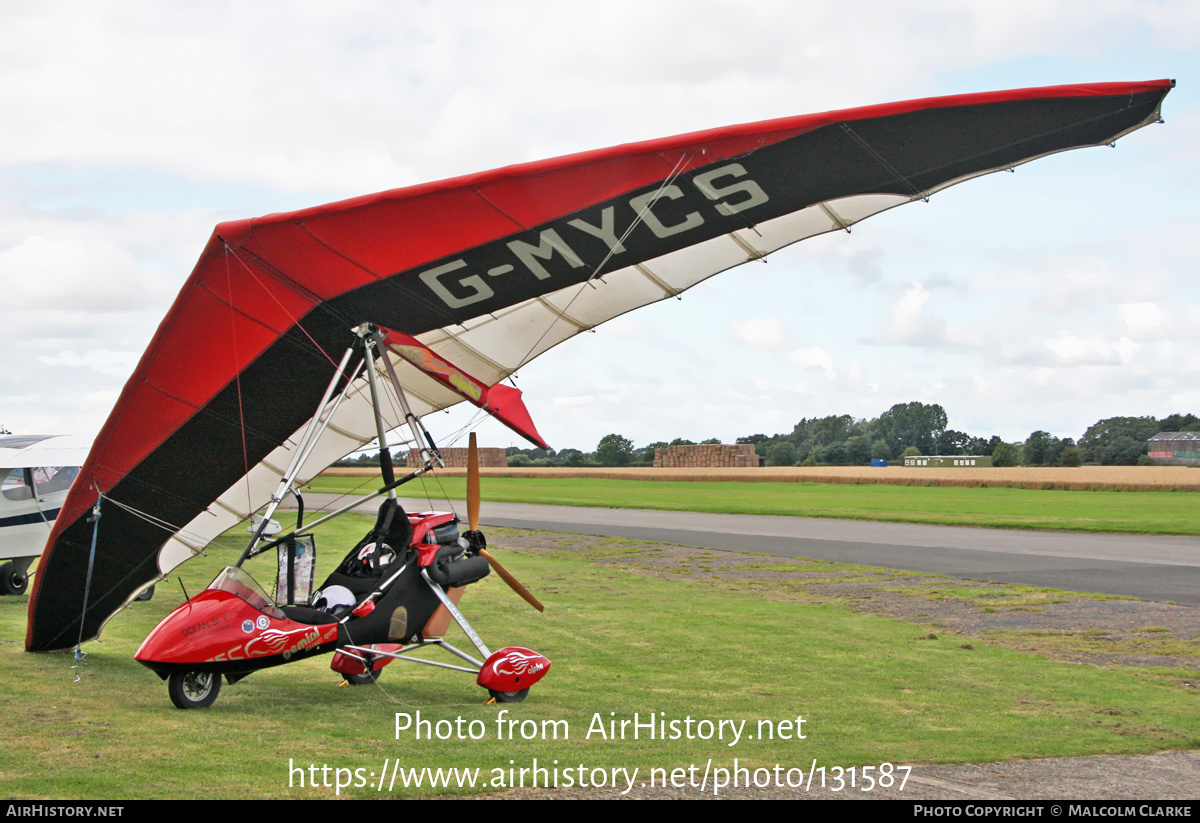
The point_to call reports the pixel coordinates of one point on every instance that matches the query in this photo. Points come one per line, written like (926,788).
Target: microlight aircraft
(459,283)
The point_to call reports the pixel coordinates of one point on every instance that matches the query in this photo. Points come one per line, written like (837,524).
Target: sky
(1048,298)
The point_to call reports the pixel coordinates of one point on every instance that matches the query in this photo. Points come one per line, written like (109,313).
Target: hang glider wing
(485,272)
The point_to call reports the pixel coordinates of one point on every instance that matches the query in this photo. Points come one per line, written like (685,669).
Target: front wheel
(509,697)
(13,581)
(194,690)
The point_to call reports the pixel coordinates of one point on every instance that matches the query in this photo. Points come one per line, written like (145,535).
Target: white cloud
(815,358)
(765,334)
(1144,321)
(1069,350)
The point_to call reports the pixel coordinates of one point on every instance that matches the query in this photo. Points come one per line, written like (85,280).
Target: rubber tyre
(361,679)
(194,690)
(366,678)
(509,697)
(11,582)
(146,595)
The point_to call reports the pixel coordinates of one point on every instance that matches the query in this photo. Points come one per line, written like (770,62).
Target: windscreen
(238,582)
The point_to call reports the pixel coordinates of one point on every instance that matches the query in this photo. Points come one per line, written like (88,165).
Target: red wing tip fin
(505,404)
(502,402)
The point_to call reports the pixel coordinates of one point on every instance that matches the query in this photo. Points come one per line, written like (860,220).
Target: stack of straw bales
(457,458)
(706,456)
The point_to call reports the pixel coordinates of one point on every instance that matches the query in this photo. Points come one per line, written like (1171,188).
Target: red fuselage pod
(346,663)
(217,631)
(512,669)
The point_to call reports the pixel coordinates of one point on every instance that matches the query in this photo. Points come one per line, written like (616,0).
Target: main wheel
(145,595)
(509,697)
(12,581)
(361,679)
(366,678)
(194,690)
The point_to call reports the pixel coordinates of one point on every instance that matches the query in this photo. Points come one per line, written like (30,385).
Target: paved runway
(1162,568)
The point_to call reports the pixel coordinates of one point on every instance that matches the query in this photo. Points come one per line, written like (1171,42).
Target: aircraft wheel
(194,690)
(146,595)
(361,679)
(366,678)
(12,581)
(509,697)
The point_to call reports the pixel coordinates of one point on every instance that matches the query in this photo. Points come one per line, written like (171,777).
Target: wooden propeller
(473,523)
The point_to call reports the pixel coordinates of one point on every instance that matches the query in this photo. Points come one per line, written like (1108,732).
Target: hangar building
(1175,448)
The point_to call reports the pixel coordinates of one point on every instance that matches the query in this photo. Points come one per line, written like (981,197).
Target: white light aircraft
(36,471)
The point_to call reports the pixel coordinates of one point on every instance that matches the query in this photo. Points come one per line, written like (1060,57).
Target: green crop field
(1140,512)
(870,690)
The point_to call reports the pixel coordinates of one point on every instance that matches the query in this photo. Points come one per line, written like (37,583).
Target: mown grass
(1141,512)
(870,689)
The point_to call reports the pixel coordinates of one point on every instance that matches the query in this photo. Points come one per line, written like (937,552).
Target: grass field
(1137,512)
(870,690)
(1113,478)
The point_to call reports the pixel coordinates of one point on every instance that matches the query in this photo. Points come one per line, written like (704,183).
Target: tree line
(904,429)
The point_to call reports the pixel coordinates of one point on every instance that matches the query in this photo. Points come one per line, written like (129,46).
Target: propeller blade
(473,522)
(512,582)
(472,484)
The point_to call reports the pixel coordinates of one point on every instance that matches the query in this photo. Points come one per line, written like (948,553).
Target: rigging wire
(680,166)
(158,522)
(295,320)
(237,371)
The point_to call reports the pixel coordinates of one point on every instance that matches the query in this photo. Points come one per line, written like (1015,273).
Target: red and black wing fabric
(488,271)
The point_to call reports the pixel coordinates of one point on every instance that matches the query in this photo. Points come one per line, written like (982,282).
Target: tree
(1099,442)
(977,445)
(753,439)
(880,450)
(1037,448)
(833,454)
(648,452)
(782,453)
(571,457)
(1070,456)
(1057,447)
(614,450)
(1044,449)
(952,442)
(1179,423)
(858,450)
(1122,451)
(908,424)
(1006,454)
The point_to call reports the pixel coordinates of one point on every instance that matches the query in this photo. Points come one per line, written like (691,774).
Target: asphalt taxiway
(1160,568)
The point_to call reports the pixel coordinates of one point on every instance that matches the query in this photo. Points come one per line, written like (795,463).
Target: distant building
(950,461)
(1175,448)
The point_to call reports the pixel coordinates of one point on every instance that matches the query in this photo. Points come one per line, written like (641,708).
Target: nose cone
(208,626)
